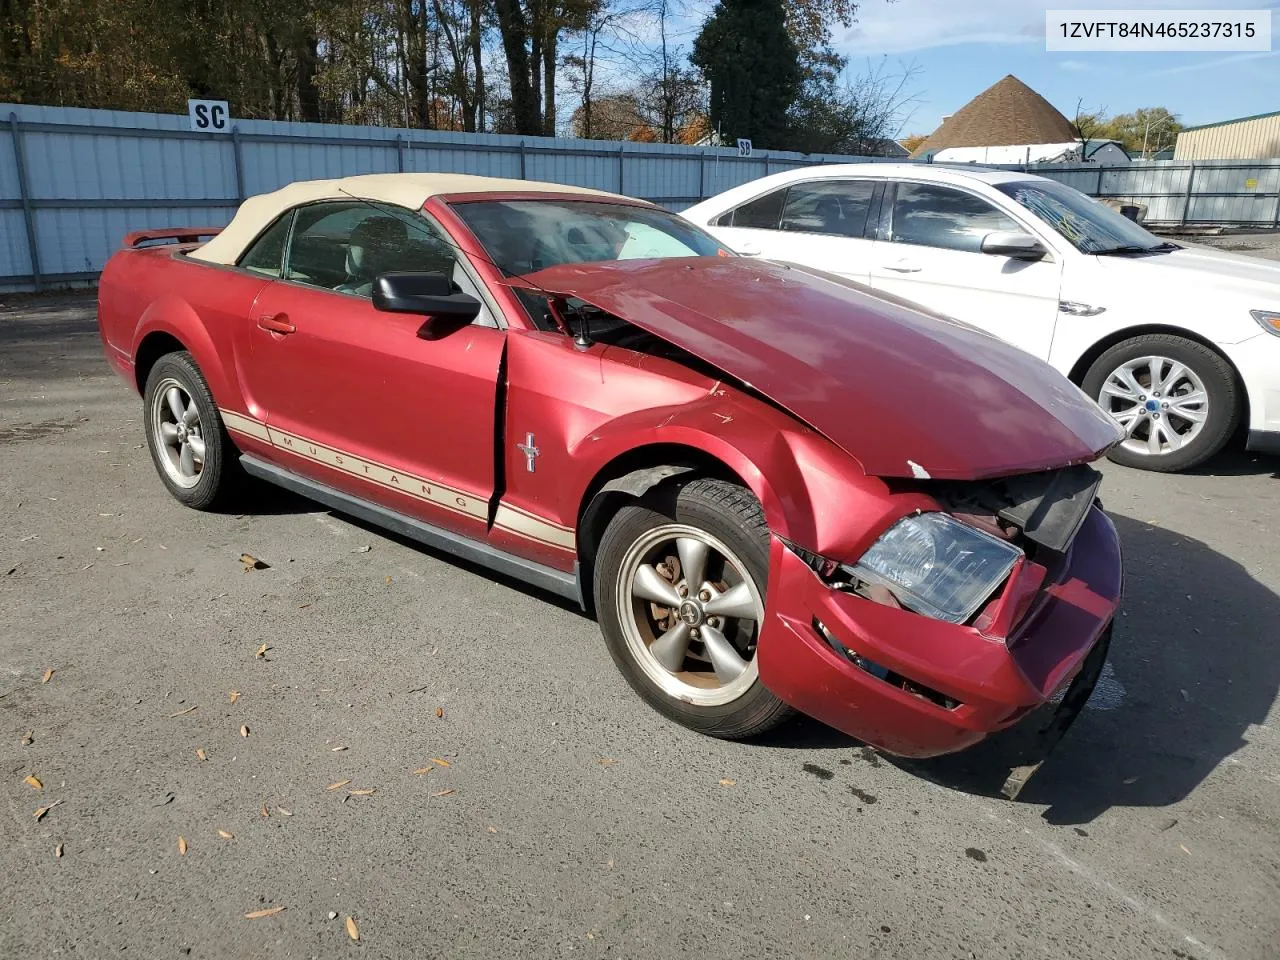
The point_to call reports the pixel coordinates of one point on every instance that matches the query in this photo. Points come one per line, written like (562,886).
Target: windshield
(1090,226)
(521,236)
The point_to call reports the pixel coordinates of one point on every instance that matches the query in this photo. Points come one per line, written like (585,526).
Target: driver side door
(356,398)
(928,250)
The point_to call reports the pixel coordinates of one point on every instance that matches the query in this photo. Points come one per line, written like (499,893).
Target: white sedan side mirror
(1013,243)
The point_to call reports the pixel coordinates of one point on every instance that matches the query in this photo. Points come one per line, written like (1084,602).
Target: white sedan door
(928,250)
(821,223)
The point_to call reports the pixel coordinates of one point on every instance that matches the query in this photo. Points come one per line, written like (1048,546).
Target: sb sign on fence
(209,116)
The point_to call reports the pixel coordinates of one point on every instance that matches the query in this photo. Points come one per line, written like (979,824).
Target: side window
(266,254)
(838,207)
(761,213)
(345,246)
(932,216)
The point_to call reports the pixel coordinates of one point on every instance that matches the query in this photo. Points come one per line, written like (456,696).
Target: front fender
(812,493)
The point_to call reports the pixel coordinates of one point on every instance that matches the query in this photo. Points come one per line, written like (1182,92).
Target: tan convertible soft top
(409,190)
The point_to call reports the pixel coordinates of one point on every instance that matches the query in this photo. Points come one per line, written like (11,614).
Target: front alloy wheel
(1161,404)
(679,586)
(691,614)
(1177,400)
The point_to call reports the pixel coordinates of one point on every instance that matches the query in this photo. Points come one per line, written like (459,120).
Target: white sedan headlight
(937,566)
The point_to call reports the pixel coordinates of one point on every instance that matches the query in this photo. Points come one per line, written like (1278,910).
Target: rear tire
(189,445)
(705,548)
(1176,389)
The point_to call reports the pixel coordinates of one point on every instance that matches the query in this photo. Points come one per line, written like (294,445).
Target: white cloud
(904,26)
(1215,62)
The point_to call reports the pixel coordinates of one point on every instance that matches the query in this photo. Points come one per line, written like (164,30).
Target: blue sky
(961,47)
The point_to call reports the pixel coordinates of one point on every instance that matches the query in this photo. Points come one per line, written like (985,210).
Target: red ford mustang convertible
(774,490)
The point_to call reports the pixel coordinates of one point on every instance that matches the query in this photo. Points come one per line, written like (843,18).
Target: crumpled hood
(905,393)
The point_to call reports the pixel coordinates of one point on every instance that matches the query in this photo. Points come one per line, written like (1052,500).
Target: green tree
(1149,128)
(753,67)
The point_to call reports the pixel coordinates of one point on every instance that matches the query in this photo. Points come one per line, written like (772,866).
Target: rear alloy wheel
(188,443)
(1176,400)
(680,583)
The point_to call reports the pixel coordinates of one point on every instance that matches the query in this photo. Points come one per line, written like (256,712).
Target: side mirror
(430,295)
(1013,243)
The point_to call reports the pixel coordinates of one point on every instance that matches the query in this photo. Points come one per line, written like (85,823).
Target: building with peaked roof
(1248,138)
(1011,123)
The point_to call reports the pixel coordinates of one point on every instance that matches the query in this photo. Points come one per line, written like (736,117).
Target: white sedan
(1180,343)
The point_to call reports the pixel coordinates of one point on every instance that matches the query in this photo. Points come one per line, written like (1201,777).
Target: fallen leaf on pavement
(340,783)
(442,793)
(262,651)
(388,579)
(352,930)
(606,761)
(233,695)
(28,738)
(726,782)
(303,606)
(10,570)
(244,731)
(365,549)
(252,563)
(57,851)
(39,814)
(48,675)
(182,846)
(442,763)
(183,713)
(361,793)
(264,811)
(337,749)
(283,812)
(493,829)
(439,711)
(33,782)
(422,770)
(1185,850)
(225,835)
(271,912)
(200,754)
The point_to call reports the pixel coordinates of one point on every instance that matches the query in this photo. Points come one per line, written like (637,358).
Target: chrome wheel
(177,433)
(690,614)
(1161,404)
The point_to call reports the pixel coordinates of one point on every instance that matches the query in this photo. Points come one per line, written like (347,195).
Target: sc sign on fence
(209,116)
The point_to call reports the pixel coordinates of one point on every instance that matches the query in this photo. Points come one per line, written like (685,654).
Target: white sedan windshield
(1091,227)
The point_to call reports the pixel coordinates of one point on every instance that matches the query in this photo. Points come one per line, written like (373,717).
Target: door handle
(276,323)
(902,266)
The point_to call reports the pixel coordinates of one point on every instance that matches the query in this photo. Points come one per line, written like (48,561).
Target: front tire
(189,445)
(1177,400)
(680,581)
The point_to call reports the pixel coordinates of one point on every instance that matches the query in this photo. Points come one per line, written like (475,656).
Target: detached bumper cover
(976,685)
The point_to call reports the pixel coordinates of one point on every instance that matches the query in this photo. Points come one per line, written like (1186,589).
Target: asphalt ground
(560,816)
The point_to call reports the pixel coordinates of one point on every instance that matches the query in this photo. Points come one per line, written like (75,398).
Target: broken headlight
(937,566)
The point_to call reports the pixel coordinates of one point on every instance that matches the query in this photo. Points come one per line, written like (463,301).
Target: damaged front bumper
(919,687)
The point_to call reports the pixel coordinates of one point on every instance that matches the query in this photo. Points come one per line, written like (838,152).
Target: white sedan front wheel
(1177,401)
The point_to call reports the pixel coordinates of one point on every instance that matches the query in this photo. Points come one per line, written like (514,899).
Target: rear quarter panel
(158,291)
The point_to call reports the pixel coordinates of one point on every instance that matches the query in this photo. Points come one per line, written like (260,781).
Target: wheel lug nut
(704,596)
(694,633)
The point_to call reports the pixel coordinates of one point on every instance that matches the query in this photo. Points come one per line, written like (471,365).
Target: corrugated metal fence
(73,182)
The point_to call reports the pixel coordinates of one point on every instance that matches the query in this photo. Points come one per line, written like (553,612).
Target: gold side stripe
(509,518)
(535,528)
(246,425)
